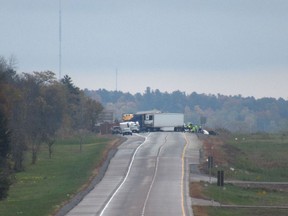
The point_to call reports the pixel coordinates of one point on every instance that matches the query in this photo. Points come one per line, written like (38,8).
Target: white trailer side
(168,121)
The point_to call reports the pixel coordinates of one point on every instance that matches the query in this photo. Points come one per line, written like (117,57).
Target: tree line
(35,109)
(235,113)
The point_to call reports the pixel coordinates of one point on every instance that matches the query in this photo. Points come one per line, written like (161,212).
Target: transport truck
(158,121)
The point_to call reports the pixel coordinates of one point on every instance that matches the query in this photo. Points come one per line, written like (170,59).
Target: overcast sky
(229,47)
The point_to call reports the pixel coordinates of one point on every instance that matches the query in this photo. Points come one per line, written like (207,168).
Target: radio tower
(60,40)
(116,79)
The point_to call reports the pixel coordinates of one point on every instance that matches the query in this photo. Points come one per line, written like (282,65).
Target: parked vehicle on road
(130,124)
(126,131)
(157,121)
(116,130)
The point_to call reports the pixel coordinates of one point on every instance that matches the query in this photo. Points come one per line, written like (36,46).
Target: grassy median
(260,158)
(41,188)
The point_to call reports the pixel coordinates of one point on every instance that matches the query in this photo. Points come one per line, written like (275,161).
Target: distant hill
(235,113)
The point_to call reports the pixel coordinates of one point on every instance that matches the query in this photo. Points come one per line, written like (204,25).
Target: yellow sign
(127,117)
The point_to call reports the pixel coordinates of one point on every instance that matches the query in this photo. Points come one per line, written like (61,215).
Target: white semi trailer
(163,121)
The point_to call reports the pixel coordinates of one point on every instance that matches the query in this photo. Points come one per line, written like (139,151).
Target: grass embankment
(41,188)
(216,211)
(259,158)
(238,195)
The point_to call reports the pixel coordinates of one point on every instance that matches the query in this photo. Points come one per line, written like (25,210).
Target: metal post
(210,166)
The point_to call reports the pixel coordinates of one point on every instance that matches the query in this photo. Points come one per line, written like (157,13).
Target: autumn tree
(18,125)
(5,147)
(43,113)
(54,112)
(91,112)
(82,111)
(5,171)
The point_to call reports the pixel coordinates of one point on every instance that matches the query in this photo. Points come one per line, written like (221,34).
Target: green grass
(42,187)
(236,195)
(258,158)
(216,211)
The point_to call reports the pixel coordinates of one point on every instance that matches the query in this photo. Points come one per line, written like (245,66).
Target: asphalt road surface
(145,178)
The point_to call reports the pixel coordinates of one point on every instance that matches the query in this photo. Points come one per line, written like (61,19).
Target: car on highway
(135,129)
(126,131)
(116,130)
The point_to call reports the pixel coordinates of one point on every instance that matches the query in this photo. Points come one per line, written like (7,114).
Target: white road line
(153,180)
(124,180)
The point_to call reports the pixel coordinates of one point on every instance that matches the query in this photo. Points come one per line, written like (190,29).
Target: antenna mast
(60,40)
(116,79)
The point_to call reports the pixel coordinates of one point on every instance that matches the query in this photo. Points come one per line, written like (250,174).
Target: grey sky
(208,46)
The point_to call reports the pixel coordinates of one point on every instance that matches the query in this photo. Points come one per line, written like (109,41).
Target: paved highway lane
(144,179)
(154,183)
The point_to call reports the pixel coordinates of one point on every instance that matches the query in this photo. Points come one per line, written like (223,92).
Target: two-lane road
(144,179)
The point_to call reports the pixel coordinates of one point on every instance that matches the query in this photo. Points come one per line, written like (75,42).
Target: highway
(147,177)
